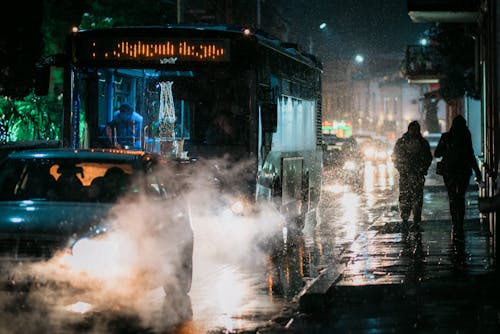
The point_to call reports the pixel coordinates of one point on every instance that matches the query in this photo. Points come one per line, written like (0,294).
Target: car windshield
(66,180)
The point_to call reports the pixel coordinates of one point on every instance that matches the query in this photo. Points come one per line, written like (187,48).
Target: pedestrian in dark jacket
(412,158)
(458,161)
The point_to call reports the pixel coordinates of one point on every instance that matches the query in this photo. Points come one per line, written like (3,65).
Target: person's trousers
(456,186)
(411,196)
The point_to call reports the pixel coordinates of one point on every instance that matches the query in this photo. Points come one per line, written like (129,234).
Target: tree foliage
(28,119)
(20,47)
(456,45)
(113,13)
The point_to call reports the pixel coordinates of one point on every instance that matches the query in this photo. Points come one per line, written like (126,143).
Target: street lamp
(359,59)
(424,41)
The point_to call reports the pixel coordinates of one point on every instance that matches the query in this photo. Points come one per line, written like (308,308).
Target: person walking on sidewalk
(412,158)
(458,161)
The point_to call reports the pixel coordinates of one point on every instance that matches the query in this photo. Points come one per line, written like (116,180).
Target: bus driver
(126,126)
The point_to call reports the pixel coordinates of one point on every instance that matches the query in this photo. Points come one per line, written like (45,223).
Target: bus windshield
(152,109)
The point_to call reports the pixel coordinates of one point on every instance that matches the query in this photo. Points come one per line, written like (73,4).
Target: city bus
(200,92)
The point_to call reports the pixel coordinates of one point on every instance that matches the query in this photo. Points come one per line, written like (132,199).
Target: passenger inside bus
(126,127)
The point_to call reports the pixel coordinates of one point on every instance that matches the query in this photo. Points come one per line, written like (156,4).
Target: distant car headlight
(381,155)
(350,165)
(369,152)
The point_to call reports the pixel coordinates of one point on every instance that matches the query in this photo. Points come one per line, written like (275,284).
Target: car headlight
(350,165)
(88,250)
(94,256)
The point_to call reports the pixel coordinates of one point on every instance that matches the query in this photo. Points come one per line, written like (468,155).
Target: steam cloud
(228,231)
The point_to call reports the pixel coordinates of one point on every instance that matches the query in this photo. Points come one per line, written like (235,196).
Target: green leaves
(28,119)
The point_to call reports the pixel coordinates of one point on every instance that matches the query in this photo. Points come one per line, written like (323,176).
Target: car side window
(22,180)
(9,181)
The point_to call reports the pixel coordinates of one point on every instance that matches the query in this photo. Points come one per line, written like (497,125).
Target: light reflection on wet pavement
(360,231)
(436,278)
(237,298)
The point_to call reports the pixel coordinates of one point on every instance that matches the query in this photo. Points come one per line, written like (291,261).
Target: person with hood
(458,161)
(412,158)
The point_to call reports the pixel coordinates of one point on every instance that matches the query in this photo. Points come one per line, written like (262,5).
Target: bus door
(292,193)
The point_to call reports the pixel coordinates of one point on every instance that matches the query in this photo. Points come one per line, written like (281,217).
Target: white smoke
(128,281)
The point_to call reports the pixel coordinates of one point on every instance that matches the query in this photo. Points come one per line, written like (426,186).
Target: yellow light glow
(270,287)
(186,49)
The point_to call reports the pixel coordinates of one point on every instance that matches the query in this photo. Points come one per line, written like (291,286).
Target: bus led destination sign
(161,51)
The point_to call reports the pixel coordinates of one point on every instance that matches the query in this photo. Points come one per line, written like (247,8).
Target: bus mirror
(42,79)
(269,114)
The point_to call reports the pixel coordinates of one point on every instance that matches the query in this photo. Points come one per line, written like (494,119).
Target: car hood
(45,217)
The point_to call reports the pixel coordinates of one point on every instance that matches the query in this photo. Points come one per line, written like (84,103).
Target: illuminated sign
(156,50)
(340,129)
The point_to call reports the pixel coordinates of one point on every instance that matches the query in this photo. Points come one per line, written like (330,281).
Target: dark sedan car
(107,221)
(342,160)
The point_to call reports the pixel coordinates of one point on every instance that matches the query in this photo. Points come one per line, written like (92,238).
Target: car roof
(85,154)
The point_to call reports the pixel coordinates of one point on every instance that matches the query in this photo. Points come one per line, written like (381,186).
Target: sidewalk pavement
(438,278)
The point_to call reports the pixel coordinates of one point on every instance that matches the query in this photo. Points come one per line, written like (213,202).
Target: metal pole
(258,14)
(179,11)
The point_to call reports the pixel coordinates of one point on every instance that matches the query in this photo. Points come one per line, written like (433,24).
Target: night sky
(365,26)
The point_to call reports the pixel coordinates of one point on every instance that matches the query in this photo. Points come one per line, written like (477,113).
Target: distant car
(374,149)
(343,160)
(97,214)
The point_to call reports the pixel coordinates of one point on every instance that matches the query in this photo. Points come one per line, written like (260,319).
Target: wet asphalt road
(438,278)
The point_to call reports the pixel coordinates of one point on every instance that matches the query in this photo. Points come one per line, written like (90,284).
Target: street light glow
(359,58)
(322,26)
(423,41)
